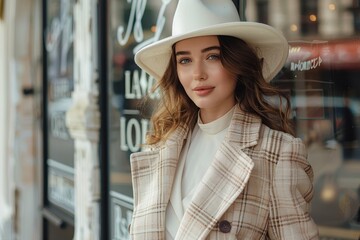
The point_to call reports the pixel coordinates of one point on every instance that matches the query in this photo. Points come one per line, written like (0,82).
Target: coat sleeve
(291,193)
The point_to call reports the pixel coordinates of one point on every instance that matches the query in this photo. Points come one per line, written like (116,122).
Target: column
(83,121)
(6,208)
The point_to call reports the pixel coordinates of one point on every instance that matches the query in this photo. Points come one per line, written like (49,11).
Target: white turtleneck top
(195,159)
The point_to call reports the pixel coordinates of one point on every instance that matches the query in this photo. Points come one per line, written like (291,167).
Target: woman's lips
(204,90)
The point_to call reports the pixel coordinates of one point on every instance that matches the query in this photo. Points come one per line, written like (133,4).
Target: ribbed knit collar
(217,125)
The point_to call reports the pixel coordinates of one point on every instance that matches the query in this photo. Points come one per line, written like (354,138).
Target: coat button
(224,226)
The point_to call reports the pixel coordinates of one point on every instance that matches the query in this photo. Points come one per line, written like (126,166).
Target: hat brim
(269,43)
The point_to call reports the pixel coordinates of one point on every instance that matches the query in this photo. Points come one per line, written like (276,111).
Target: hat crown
(192,15)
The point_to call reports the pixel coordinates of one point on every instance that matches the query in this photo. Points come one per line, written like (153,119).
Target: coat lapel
(170,153)
(224,180)
(153,174)
(176,196)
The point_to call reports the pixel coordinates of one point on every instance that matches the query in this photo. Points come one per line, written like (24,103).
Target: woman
(221,163)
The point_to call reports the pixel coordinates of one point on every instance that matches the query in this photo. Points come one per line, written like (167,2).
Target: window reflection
(322,77)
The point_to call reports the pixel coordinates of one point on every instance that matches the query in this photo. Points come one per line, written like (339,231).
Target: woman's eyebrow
(182,53)
(202,50)
(210,49)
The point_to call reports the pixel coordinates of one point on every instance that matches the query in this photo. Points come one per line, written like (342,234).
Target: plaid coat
(259,181)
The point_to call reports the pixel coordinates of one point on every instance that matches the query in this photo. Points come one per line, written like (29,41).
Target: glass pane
(132,26)
(322,77)
(60,84)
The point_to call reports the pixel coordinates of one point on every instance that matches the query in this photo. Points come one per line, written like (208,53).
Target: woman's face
(208,84)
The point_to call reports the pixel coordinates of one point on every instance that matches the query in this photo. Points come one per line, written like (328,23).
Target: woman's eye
(214,57)
(184,60)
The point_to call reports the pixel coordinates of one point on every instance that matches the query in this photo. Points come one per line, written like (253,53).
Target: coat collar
(243,130)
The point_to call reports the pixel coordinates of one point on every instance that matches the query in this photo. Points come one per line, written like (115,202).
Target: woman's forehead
(195,42)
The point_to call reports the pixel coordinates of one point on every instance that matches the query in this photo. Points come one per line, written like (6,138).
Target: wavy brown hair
(253,94)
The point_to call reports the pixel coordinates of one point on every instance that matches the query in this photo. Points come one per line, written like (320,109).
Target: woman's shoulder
(267,132)
(280,141)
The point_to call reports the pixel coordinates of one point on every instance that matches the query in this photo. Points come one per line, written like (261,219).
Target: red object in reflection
(339,54)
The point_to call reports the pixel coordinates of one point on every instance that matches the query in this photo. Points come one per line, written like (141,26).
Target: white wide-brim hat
(195,18)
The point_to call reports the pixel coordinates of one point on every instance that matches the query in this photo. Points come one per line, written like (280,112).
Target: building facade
(71,109)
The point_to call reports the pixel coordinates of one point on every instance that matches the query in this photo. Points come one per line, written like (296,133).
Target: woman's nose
(199,71)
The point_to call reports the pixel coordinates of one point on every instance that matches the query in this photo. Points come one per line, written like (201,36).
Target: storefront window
(134,24)
(60,84)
